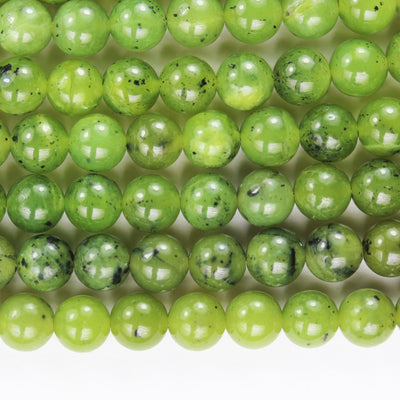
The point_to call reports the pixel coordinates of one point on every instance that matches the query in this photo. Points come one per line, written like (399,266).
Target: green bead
(98,142)
(8,262)
(188,85)
(275,257)
(253,319)
(45,263)
(333,252)
(101,262)
(367,317)
(40,143)
(131,86)
(244,81)
(196,321)
(195,23)
(93,202)
(82,323)
(52,1)
(35,203)
(158,263)
(75,87)
(26,322)
(253,21)
(208,201)
(217,262)
(302,76)
(80,28)
(310,318)
(151,203)
(5,143)
(138,25)
(25,27)
(270,137)
(265,197)
(376,188)
(328,133)
(3,202)
(139,321)
(358,67)
(322,192)
(23,85)
(211,139)
(393,56)
(154,141)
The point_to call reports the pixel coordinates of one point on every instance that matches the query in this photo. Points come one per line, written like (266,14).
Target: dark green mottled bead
(8,262)
(393,55)
(5,142)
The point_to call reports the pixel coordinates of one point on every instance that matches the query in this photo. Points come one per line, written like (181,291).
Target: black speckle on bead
(253,192)
(377,298)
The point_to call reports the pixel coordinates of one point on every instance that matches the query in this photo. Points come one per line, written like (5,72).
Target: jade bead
(25,27)
(375,186)
(393,56)
(302,76)
(3,202)
(93,202)
(82,323)
(322,192)
(40,143)
(101,262)
(26,322)
(217,262)
(196,321)
(208,201)
(211,139)
(275,257)
(131,86)
(188,85)
(138,25)
(75,87)
(265,197)
(158,263)
(244,81)
(98,142)
(5,142)
(8,262)
(328,133)
(358,67)
(253,21)
(35,203)
(151,203)
(333,252)
(154,141)
(310,318)
(139,321)
(367,317)
(195,23)
(23,85)
(270,137)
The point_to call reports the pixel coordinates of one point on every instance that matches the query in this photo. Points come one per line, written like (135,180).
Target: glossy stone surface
(310,318)
(393,56)
(101,262)
(333,252)
(8,262)
(93,202)
(196,321)
(211,139)
(151,203)
(40,143)
(45,263)
(3,202)
(244,81)
(158,263)
(35,203)
(302,76)
(265,197)
(328,133)
(322,192)
(275,257)
(188,85)
(139,321)
(270,137)
(375,186)
(5,142)
(208,201)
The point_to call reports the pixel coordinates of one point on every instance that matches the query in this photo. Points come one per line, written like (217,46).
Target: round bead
(393,56)
(3,202)
(158,263)
(5,142)
(275,257)
(211,139)
(8,262)
(333,252)
(196,321)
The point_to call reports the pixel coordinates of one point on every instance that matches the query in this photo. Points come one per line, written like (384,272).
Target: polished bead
(5,142)
(3,202)
(8,262)
(393,56)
